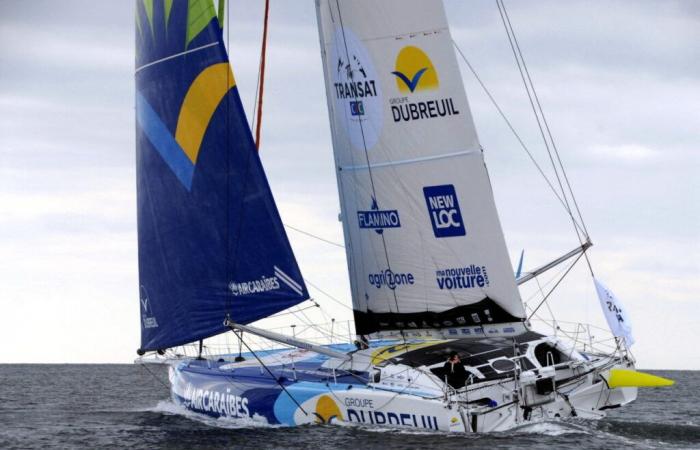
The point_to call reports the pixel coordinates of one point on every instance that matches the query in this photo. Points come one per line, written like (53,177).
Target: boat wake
(552,428)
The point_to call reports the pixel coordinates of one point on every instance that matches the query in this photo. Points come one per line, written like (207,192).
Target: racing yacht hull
(298,387)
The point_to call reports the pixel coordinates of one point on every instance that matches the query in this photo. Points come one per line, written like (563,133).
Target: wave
(655,431)
(551,428)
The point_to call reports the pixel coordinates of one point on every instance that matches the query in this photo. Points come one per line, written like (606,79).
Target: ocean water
(126,406)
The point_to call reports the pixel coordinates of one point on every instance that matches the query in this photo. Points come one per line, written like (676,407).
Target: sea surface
(128,406)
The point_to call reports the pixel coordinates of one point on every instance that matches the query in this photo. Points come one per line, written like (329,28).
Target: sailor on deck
(454,371)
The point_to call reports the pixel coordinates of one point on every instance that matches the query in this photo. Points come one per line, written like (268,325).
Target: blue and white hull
(297,387)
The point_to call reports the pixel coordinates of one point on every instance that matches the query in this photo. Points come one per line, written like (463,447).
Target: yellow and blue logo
(414,71)
(327,410)
(203,97)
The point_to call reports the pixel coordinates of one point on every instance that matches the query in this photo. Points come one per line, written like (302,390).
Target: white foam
(551,429)
(382,429)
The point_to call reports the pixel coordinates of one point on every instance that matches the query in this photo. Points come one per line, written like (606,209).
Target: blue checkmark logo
(413,82)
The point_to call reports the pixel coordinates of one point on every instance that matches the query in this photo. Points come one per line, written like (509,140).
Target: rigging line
(314,326)
(261,80)
(551,313)
(154,376)
(547,283)
(534,110)
(273,376)
(518,57)
(506,18)
(313,235)
(544,120)
(555,286)
(327,294)
(510,126)
(310,324)
(369,168)
(290,312)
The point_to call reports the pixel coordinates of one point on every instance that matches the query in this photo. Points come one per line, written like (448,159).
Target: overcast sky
(619,81)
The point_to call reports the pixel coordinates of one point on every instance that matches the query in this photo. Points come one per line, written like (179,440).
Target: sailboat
(428,265)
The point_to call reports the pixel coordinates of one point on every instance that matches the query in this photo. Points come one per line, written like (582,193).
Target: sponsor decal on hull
(362,410)
(212,401)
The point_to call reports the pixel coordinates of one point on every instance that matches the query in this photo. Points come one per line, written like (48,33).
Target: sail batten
(424,242)
(211,242)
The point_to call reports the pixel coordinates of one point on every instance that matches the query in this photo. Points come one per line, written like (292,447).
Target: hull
(262,400)
(308,388)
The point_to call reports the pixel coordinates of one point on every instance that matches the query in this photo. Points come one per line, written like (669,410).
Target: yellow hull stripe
(202,99)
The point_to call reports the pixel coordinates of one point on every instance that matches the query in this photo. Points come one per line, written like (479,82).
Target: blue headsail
(211,242)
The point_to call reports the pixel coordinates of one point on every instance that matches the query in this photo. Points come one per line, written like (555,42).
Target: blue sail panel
(211,242)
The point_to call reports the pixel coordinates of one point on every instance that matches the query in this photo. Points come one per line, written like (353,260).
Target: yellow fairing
(386,353)
(631,378)
(203,97)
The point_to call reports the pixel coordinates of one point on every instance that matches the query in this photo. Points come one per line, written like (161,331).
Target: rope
(155,376)
(272,375)
(327,294)
(509,124)
(544,120)
(555,286)
(313,235)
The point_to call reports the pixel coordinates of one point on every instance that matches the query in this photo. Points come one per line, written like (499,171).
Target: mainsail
(425,245)
(211,242)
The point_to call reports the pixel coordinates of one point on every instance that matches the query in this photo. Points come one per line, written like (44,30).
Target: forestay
(425,246)
(211,243)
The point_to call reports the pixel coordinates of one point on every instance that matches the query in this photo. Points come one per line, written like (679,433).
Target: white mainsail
(424,243)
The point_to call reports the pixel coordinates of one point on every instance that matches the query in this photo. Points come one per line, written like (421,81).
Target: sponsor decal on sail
(392,280)
(356,89)
(416,74)
(148,321)
(377,219)
(443,208)
(264,284)
(467,277)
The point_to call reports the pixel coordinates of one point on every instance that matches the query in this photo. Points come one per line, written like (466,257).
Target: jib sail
(211,242)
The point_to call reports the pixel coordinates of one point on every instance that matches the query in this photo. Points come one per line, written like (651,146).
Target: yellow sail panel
(202,99)
(631,378)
